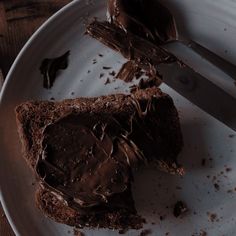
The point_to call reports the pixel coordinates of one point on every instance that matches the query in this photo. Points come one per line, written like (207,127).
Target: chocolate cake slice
(85,150)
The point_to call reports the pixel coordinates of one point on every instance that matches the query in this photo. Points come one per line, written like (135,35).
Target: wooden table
(18,20)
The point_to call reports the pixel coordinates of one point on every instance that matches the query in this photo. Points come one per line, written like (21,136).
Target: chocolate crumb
(212,216)
(228,169)
(231,136)
(78,233)
(203,233)
(203,163)
(123,231)
(52,99)
(33,183)
(178,188)
(100,55)
(106,68)
(230,191)
(145,232)
(179,209)
(153,223)
(107,81)
(217,187)
(72,93)
(88,71)
(128,71)
(113,73)
(162,218)
(101,75)
(167,234)
(94,61)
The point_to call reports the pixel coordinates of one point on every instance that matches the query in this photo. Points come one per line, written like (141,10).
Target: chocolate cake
(84,152)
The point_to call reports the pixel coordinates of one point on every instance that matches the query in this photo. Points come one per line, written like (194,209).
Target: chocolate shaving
(113,73)
(101,75)
(143,52)
(128,71)
(217,187)
(51,66)
(106,67)
(107,81)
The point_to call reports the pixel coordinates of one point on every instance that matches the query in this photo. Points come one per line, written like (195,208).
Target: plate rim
(29,42)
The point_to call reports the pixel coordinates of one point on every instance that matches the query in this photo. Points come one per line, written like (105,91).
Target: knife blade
(201,92)
(179,76)
(224,65)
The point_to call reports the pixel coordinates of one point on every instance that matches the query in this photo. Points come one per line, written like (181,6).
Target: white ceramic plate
(210,22)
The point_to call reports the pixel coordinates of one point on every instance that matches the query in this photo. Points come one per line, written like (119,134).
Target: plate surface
(208,190)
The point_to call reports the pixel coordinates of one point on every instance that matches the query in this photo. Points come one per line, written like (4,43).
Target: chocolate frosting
(87,159)
(145,18)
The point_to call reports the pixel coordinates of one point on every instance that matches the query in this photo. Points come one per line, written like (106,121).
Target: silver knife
(201,91)
(224,65)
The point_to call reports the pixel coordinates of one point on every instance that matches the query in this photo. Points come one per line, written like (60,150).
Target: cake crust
(33,117)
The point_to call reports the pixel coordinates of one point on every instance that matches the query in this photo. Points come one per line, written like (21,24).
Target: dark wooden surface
(18,21)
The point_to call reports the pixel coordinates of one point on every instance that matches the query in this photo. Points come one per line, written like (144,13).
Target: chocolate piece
(144,53)
(147,19)
(50,67)
(153,81)
(128,71)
